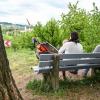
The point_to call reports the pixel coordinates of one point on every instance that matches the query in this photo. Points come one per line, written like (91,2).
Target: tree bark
(8,88)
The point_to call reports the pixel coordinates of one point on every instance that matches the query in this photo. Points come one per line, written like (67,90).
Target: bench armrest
(42,69)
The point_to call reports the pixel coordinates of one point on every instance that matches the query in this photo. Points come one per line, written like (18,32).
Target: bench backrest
(70,59)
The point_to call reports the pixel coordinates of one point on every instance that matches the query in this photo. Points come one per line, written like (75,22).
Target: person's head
(35,41)
(74,37)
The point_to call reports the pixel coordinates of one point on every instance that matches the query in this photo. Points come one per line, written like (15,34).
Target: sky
(16,11)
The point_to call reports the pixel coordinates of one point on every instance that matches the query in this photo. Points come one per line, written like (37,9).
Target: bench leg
(52,79)
(55,72)
(64,75)
(55,80)
(53,76)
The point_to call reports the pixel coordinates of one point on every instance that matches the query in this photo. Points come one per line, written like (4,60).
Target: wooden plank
(66,62)
(85,55)
(79,67)
(55,72)
(45,63)
(46,57)
(42,69)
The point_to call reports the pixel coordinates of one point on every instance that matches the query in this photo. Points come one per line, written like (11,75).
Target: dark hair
(74,37)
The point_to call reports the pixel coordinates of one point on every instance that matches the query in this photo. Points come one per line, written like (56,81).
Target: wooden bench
(51,64)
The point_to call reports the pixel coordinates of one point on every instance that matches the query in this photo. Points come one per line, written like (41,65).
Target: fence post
(55,72)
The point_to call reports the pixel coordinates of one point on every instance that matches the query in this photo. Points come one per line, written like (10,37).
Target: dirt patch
(21,82)
(92,93)
(23,79)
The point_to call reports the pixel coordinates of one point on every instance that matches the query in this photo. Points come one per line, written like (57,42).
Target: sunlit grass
(22,60)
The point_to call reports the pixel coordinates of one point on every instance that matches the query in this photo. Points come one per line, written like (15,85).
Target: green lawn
(21,60)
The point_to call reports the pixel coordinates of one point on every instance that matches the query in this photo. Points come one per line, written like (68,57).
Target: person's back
(71,47)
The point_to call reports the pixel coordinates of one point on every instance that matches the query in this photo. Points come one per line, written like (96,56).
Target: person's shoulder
(69,43)
(79,43)
(75,44)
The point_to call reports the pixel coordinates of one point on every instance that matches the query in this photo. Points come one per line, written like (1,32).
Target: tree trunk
(8,88)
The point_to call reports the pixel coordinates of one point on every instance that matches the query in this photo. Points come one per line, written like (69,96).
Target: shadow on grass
(39,87)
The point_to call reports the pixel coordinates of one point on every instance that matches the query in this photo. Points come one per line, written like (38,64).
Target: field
(21,63)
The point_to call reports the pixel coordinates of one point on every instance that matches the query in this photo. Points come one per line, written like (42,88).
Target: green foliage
(49,32)
(23,40)
(52,32)
(38,31)
(7,37)
(92,32)
(75,20)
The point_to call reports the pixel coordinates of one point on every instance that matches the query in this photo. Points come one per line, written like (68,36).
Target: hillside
(7,26)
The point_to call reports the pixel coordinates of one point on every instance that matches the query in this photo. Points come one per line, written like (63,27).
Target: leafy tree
(24,40)
(52,32)
(49,32)
(38,31)
(92,32)
(75,20)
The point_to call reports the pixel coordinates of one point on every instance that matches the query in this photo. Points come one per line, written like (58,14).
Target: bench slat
(79,61)
(86,55)
(66,62)
(42,69)
(80,66)
(46,57)
(45,63)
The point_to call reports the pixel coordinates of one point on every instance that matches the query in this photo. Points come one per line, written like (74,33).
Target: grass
(21,63)
(21,60)
(41,88)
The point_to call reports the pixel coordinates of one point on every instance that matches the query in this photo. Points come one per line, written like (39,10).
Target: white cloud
(16,11)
